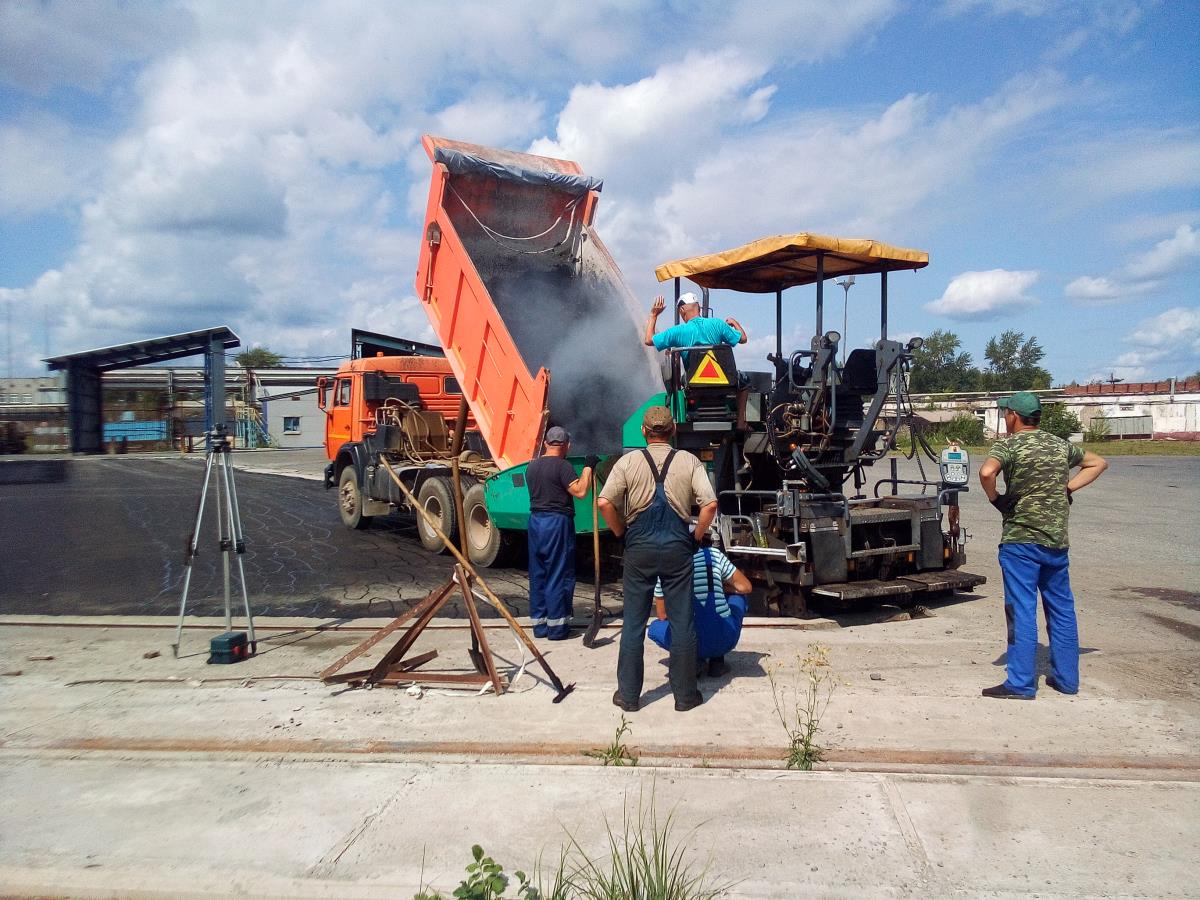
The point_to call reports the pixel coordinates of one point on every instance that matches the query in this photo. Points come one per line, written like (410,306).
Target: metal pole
(883,305)
(456,446)
(820,293)
(779,324)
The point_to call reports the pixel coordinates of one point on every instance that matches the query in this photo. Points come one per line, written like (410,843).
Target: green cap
(1022,403)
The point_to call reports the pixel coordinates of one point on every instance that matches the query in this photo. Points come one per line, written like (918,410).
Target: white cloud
(1168,256)
(490,118)
(1133,163)
(1142,275)
(45,163)
(660,123)
(79,43)
(1177,327)
(1164,345)
(1104,291)
(984,295)
(843,172)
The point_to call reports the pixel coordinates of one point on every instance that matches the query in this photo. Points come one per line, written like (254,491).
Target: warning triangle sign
(709,371)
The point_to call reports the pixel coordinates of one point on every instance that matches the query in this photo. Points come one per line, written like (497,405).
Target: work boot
(1000,692)
(690,703)
(1052,682)
(627,705)
(717,667)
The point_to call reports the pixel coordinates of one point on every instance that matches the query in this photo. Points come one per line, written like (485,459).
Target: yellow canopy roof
(774,263)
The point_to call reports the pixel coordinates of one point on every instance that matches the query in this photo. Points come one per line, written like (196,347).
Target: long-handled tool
(589,636)
(495,601)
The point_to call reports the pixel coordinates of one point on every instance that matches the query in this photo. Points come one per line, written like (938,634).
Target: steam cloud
(570,312)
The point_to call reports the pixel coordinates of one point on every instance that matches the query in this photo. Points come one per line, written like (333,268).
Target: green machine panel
(508,500)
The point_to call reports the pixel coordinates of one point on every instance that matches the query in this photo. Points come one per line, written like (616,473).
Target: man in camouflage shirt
(1033,543)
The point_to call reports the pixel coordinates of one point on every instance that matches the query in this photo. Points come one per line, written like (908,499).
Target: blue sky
(176,165)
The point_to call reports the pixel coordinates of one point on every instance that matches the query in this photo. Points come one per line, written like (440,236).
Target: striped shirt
(723,570)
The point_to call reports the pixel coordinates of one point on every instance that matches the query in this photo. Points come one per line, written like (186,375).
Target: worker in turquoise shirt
(695,330)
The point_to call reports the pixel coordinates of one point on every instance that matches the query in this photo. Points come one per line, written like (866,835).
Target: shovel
(589,636)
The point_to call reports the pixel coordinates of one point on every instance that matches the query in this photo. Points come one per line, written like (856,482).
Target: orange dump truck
(518,287)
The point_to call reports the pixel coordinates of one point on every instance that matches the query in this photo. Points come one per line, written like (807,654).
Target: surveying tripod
(229,532)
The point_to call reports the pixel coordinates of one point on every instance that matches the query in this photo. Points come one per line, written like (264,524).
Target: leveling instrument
(227,647)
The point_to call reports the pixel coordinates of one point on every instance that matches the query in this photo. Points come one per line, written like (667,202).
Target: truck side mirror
(322,387)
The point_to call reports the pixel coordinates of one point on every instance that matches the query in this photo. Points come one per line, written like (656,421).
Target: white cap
(687,298)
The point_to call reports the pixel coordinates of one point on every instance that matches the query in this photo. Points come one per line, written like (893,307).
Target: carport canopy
(84,397)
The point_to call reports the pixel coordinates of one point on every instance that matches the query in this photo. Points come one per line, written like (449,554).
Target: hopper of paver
(518,288)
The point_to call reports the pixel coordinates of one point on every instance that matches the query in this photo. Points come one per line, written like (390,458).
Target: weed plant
(616,753)
(802,694)
(645,860)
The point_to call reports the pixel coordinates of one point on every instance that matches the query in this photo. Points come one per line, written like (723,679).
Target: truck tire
(350,503)
(486,544)
(437,496)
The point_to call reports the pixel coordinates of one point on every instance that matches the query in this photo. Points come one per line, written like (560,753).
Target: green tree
(1014,364)
(258,358)
(940,366)
(1060,421)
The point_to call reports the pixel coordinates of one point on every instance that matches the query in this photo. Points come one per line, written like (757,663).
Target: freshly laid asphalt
(127,772)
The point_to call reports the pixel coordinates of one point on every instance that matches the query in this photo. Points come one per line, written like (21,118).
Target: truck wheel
(485,542)
(437,496)
(350,500)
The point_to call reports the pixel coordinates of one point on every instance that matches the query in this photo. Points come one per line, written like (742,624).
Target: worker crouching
(719,592)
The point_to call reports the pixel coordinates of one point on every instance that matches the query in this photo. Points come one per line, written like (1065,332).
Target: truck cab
(353,397)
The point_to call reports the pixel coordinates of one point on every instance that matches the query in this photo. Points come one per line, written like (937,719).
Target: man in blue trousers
(719,590)
(553,484)
(1033,543)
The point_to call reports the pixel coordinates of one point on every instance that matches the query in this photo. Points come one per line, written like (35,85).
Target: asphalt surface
(108,535)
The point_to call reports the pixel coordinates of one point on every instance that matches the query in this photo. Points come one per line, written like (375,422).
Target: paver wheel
(486,544)
(350,500)
(437,496)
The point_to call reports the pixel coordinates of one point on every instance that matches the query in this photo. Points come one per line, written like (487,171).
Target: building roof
(1182,385)
(140,353)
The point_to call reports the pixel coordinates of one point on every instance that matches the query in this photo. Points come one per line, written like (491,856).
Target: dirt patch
(1186,599)
(1189,631)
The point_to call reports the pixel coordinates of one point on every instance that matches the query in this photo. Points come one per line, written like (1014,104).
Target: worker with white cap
(694,330)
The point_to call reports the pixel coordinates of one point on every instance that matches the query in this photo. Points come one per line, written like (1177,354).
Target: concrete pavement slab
(203,826)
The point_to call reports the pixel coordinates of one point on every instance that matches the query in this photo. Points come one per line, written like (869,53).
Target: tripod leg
(226,543)
(239,546)
(192,544)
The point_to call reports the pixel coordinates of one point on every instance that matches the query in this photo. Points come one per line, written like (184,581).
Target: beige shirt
(630,484)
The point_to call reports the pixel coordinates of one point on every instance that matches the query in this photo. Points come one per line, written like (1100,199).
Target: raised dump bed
(535,317)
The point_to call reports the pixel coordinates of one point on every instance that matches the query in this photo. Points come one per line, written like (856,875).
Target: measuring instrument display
(955,466)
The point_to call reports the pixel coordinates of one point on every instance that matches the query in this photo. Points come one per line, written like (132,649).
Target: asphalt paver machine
(788,449)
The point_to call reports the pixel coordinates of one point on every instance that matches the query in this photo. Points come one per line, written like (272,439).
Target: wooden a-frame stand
(393,668)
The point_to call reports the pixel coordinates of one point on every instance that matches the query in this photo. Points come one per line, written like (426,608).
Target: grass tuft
(616,753)
(801,697)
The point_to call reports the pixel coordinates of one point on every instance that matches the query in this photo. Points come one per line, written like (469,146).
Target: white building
(1158,410)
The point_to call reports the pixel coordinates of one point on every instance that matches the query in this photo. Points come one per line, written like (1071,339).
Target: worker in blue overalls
(719,592)
(648,499)
(552,484)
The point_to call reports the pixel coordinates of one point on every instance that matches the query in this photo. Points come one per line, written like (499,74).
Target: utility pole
(845,284)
